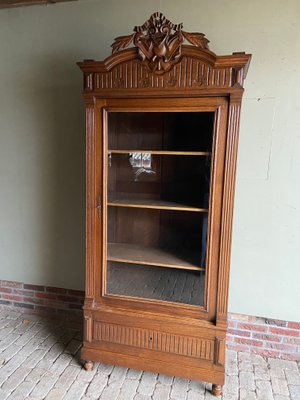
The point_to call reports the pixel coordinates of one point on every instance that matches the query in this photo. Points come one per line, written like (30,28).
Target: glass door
(158,187)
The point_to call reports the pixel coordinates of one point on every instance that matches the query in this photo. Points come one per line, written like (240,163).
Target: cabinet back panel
(138,226)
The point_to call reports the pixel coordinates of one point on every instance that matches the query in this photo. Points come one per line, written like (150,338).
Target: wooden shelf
(137,254)
(154,204)
(163,152)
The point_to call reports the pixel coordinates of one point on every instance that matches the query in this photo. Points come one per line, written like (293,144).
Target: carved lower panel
(187,73)
(220,351)
(154,340)
(88,329)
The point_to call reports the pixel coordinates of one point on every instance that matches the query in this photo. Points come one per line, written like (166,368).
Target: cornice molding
(160,55)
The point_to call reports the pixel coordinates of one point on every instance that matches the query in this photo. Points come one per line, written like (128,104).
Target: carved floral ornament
(159,42)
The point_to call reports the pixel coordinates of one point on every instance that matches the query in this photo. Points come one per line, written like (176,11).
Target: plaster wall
(42,139)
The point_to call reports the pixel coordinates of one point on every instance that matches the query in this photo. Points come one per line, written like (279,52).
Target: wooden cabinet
(162,123)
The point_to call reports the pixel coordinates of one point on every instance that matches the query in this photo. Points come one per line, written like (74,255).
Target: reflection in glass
(158,204)
(141,163)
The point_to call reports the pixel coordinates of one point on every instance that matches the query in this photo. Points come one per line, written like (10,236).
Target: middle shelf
(158,204)
(156,256)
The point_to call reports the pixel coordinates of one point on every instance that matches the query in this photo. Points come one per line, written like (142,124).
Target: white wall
(42,139)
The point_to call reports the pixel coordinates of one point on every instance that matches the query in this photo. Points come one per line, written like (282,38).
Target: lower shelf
(155,283)
(146,255)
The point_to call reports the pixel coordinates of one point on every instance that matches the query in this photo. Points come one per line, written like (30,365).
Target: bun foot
(88,365)
(216,390)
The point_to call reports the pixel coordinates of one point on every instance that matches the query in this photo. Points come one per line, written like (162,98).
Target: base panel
(168,345)
(158,366)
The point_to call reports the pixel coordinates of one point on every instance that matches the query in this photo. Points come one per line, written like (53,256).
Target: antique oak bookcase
(162,120)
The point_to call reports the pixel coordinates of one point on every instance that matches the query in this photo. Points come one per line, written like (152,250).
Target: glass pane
(170,131)
(171,178)
(158,204)
(156,283)
(152,236)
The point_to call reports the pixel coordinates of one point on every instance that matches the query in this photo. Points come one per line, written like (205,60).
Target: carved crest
(159,42)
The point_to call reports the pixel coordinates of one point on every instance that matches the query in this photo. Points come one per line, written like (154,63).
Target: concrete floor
(39,359)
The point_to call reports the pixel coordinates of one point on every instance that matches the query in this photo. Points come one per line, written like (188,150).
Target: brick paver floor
(39,359)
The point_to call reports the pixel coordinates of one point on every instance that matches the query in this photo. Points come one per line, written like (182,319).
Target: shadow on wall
(53,154)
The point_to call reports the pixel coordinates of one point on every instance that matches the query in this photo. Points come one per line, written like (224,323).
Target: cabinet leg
(216,390)
(88,365)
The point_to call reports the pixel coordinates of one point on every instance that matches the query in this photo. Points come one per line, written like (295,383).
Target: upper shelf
(163,152)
